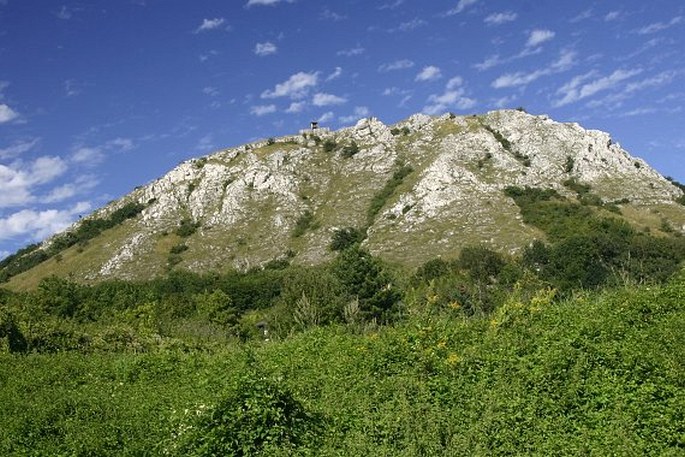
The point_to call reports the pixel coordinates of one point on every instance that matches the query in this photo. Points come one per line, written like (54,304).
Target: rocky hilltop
(421,188)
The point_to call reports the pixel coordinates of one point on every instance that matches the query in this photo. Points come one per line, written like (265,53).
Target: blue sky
(100,96)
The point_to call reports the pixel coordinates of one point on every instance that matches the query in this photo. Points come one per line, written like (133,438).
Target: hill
(425,187)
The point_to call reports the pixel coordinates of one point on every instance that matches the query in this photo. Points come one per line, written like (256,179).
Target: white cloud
(578,89)
(461,6)
(297,86)
(351,52)
(391,6)
(210,24)
(659,26)
(402,64)
(210,91)
(205,57)
(265,2)
(18,180)
(454,82)
(265,49)
(261,110)
(505,101)
(429,73)
(615,100)
(452,97)
(565,61)
(323,99)
(335,75)
(585,14)
(359,113)
(64,13)
(409,25)
(40,224)
(18,148)
(539,36)
(87,156)
(325,117)
(612,16)
(69,190)
(296,107)
(332,15)
(489,62)
(500,18)
(7,114)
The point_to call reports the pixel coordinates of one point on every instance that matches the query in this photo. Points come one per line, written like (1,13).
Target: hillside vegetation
(423,188)
(504,285)
(595,373)
(558,351)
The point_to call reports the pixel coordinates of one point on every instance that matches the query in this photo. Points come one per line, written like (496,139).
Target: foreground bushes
(601,373)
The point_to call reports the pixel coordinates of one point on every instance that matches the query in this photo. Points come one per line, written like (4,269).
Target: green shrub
(186,228)
(381,198)
(364,277)
(345,238)
(9,331)
(329,145)
(257,416)
(350,150)
(178,248)
(483,264)
(304,223)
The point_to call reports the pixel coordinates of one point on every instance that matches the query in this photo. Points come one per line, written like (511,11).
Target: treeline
(32,255)
(586,248)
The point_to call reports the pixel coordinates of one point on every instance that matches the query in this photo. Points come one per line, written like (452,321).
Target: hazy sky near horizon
(98,97)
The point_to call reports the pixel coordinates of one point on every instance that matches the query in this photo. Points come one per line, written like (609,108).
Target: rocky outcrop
(247,200)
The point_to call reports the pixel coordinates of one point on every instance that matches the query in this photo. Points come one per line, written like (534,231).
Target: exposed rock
(247,200)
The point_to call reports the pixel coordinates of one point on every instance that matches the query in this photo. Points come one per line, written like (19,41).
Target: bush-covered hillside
(597,373)
(573,347)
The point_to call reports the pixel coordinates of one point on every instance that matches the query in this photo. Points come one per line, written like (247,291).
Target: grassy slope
(600,374)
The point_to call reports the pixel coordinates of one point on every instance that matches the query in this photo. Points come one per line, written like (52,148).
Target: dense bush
(381,198)
(345,238)
(350,150)
(304,223)
(257,416)
(186,228)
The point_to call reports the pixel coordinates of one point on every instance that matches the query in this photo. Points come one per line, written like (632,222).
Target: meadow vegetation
(573,347)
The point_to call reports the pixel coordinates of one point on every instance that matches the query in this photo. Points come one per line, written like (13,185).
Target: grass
(599,374)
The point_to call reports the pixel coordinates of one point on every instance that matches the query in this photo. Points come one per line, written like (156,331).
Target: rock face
(247,201)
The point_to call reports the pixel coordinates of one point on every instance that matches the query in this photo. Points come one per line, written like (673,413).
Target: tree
(364,277)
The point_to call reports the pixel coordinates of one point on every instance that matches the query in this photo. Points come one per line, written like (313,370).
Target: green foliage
(600,373)
(329,145)
(365,278)
(345,238)
(10,333)
(589,251)
(186,228)
(178,248)
(32,255)
(350,150)
(681,198)
(256,416)
(216,307)
(431,270)
(397,131)
(304,223)
(506,144)
(483,264)
(381,198)
(575,186)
